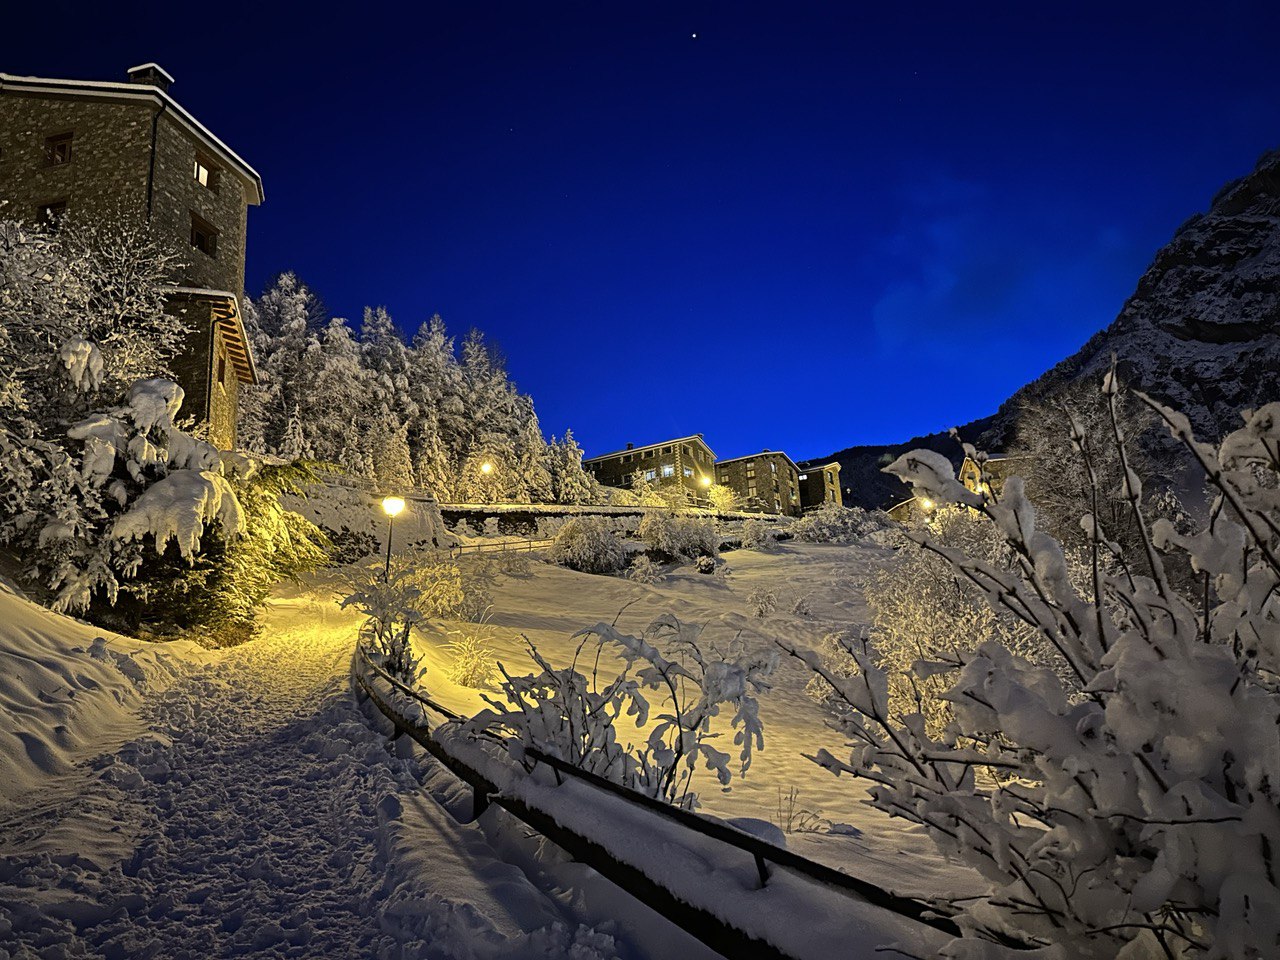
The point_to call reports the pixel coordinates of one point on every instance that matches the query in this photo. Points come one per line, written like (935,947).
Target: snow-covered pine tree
(281,325)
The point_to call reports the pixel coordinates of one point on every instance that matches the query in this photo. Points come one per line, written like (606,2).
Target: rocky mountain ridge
(1201,332)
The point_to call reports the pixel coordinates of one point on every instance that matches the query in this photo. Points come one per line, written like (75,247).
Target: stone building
(104,150)
(999,469)
(819,484)
(687,462)
(767,481)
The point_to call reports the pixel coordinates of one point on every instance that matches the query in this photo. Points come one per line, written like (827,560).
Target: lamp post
(391,506)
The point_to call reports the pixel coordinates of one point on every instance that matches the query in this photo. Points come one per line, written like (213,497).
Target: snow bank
(67,690)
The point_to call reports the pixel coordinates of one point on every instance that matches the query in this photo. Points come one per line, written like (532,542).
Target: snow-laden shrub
(1136,818)
(675,537)
(757,535)
(473,662)
(923,609)
(644,570)
(762,601)
(833,523)
(586,544)
(514,563)
(563,713)
(393,605)
(710,566)
(724,498)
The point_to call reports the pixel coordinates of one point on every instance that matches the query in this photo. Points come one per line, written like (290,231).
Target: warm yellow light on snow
(927,503)
(392,506)
(486,467)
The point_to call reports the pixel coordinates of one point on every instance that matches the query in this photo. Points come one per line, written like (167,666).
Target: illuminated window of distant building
(651,475)
(204,237)
(688,471)
(57,149)
(804,476)
(668,470)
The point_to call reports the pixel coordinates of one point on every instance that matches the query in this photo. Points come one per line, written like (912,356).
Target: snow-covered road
(262,814)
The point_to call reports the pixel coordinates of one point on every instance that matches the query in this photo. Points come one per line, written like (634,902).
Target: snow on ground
(552,603)
(68,689)
(255,809)
(261,813)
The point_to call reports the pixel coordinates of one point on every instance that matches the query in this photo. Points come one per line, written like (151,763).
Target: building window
(222,369)
(668,470)
(750,474)
(57,150)
(804,476)
(50,214)
(665,451)
(206,174)
(688,471)
(203,236)
(651,474)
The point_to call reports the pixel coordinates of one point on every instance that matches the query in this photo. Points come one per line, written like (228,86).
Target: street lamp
(391,506)
(486,467)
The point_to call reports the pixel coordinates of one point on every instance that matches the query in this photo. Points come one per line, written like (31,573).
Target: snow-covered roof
(762,453)
(232,325)
(696,438)
(128,90)
(817,464)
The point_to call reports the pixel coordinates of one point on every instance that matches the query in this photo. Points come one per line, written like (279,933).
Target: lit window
(651,475)
(206,174)
(203,236)
(804,476)
(688,471)
(668,470)
(773,468)
(57,150)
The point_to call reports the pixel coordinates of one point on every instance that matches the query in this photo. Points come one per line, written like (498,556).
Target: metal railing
(711,930)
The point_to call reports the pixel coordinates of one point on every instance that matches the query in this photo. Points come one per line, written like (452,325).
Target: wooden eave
(225,308)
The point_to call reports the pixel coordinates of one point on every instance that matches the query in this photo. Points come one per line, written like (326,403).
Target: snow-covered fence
(805,909)
(502,546)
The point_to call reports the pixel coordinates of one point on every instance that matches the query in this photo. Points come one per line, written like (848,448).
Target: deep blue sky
(813,225)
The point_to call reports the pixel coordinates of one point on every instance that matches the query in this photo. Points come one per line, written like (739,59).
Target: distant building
(999,468)
(819,484)
(686,462)
(105,150)
(767,482)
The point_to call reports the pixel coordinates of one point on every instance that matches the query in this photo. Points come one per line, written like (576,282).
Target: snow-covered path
(262,814)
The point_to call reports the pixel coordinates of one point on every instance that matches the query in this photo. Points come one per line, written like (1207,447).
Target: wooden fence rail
(702,924)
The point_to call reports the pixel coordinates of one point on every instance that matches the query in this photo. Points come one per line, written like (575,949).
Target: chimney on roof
(151,74)
(765,450)
(631,446)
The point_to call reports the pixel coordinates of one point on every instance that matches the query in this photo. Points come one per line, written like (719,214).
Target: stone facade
(105,151)
(687,462)
(767,482)
(819,484)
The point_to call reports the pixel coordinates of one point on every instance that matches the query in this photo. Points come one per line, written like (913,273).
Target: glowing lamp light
(392,506)
(486,467)
(706,481)
(927,503)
